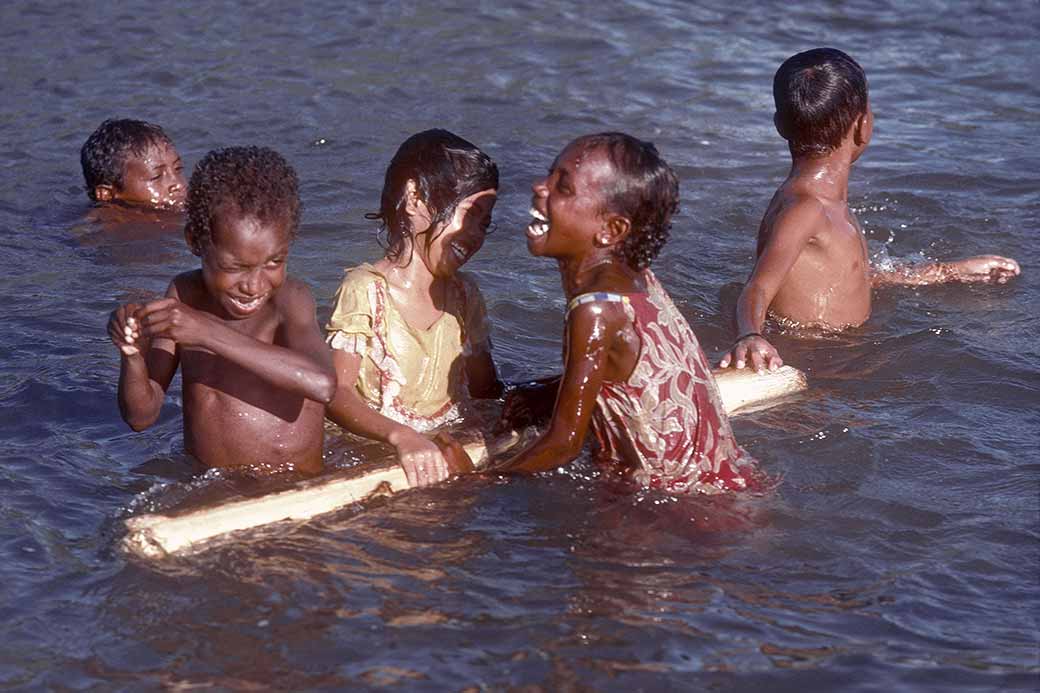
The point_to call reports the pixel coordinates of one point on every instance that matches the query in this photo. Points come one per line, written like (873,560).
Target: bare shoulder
(595,322)
(294,295)
(188,287)
(799,215)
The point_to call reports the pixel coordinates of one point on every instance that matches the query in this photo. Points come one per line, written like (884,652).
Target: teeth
(537,228)
(248,305)
(538,215)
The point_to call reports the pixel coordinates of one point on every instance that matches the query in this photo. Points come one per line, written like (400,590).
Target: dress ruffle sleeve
(351,326)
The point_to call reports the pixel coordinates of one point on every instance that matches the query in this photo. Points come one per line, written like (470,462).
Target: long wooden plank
(156,535)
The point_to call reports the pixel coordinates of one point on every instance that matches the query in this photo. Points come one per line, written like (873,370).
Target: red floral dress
(667,420)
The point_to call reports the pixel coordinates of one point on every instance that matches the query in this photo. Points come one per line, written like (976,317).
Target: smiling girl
(409,333)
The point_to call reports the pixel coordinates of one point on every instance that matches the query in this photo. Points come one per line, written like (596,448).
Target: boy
(633,369)
(256,372)
(135,163)
(812,265)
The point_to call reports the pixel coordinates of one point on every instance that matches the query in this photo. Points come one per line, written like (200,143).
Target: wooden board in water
(156,535)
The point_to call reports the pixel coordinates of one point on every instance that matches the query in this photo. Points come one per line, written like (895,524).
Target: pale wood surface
(156,535)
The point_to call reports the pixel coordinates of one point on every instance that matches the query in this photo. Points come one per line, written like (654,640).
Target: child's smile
(567,204)
(244,263)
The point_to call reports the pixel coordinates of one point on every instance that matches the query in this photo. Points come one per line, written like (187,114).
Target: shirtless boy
(134,163)
(812,265)
(256,372)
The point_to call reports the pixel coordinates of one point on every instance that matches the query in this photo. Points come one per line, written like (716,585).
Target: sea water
(901,548)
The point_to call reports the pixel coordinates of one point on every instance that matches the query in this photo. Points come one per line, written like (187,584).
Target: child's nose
(540,188)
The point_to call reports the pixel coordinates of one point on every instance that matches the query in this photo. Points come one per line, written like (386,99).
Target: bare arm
(792,230)
(145,371)
(303,366)
(591,330)
(421,459)
(992,269)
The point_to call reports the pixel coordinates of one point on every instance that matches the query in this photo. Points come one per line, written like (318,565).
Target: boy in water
(633,369)
(256,372)
(135,163)
(812,265)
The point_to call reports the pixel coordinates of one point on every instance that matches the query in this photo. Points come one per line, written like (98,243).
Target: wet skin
(812,266)
(600,344)
(418,281)
(256,372)
(153,179)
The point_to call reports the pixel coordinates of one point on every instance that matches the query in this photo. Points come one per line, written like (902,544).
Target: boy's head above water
(132,162)
(435,170)
(243,211)
(820,95)
(610,190)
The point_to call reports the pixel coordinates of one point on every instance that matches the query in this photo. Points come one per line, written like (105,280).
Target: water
(900,550)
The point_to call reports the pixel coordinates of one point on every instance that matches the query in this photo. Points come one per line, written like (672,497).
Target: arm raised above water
(982,269)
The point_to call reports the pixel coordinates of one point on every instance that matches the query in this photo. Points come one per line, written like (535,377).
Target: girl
(633,368)
(409,333)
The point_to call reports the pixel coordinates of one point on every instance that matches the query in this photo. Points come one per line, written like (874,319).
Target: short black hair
(819,94)
(105,152)
(446,170)
(644,189)
(248,181)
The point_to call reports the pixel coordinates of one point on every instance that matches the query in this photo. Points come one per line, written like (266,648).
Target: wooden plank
(155,535)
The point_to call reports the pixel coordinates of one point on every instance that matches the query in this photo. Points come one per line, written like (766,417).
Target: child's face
(154,179)
(567,204)
(462,237)
(243,264)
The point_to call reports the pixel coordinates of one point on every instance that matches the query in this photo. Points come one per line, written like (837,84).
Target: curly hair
(644,189)
(445,170)
(247,181)
(819,94)
(104,154)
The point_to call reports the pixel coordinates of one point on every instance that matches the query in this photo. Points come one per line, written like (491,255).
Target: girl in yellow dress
(409,333)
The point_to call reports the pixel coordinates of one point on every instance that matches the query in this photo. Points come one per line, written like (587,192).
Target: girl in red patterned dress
(633,368)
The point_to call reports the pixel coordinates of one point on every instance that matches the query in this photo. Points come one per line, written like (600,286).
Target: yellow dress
(415,377)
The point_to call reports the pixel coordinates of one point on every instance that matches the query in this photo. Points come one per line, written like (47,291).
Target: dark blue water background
(901,550)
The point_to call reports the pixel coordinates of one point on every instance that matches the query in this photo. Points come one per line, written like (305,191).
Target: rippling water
(900,550)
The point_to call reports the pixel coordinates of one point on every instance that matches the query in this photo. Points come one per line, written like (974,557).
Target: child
(256,373)
(409,333)
(633,368)
(133,162)
(812,265)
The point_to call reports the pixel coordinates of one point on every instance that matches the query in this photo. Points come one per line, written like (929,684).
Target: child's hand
(422,460)
(763,354)
(124,330)
(458,461)
(992,269)
(174,320)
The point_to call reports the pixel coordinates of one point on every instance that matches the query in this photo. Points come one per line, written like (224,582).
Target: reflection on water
(900,548)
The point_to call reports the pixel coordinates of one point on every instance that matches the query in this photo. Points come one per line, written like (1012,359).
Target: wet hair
(244,181)
(644,189)
(105,152)
(819,94)
(446,169)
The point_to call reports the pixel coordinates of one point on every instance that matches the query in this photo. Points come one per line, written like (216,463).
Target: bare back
(232,416)
(828,282)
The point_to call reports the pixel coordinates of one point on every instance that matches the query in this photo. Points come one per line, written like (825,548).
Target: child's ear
(863,129)
(103,193)
(615,228)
